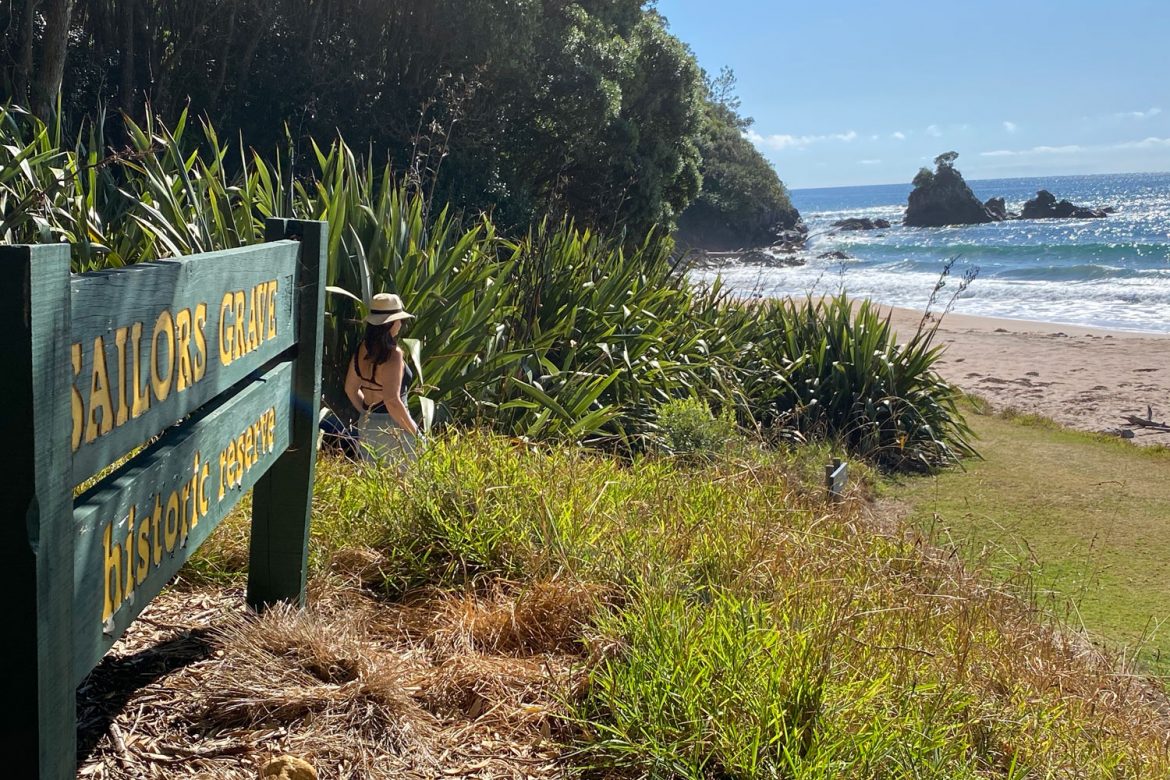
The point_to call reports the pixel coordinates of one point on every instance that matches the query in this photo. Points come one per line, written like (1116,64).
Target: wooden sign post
(836,478)
(195,380)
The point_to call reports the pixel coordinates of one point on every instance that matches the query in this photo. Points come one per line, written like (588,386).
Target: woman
(376,384)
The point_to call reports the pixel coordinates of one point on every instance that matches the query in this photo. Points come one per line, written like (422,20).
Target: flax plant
(561,333)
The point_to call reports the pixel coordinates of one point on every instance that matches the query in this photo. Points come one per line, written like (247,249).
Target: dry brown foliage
(444,684)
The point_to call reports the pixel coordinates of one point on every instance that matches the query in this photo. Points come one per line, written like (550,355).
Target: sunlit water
(1112,272)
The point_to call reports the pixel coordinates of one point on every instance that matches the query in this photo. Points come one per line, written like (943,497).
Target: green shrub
(839,371)
(687,427)
(561,334)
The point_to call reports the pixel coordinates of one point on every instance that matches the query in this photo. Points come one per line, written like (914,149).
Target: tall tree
(51,64)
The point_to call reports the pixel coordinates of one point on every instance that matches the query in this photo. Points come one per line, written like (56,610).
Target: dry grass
(648,619)
(441,685)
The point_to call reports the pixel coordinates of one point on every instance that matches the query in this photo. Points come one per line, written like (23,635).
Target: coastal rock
(791,239)
(770,259)
(943,198)
(997,208)
(1046,206)
(836,254)
(861,223)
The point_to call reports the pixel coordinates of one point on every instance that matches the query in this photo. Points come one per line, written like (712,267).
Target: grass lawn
(1082,521)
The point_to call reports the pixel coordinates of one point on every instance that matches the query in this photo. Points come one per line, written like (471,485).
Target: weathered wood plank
(155,341)
(282,501)
(39,740)
(138,525)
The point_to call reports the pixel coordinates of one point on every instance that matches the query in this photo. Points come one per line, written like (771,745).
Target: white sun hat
(386,307)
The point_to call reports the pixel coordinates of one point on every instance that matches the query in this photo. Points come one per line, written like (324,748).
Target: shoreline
(1085,378)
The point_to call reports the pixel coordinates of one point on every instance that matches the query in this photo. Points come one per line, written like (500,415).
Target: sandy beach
(1084,378)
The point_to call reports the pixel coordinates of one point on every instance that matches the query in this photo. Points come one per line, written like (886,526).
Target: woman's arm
(353,388)
(391,380)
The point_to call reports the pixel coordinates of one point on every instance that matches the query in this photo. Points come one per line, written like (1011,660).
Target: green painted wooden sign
(155,341)
(190,381)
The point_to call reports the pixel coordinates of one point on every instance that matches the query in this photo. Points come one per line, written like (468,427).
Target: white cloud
(1069,149)
(933,131)
(1147,114)
(1152,142)
(898,135)
(1145,143)
(870,162)
(1011,127)
(874,137)
(780,141)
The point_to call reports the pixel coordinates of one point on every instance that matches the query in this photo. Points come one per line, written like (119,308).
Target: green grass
(743,627)
(1081,520)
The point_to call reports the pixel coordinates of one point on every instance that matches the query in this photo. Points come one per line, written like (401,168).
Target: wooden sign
(191,381)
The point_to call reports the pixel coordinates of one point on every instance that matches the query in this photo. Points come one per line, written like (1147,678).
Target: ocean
(1109,273)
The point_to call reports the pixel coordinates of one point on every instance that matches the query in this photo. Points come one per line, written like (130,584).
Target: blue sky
(847,92)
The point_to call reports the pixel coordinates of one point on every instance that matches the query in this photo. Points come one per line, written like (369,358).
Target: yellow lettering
(99,395)
(195,492)
(226,343)
(143,547)
(78,407)
(164,326)
(113,565)
(183,336)
(222,473)
(130,556)
(171,526)
(230,466)
(184,519)
(156,519)
(123,405)
(261,311)
(271,298)
(204,499)
(253,320)
(250,446)
(199,363)
(141,392)
(240,347)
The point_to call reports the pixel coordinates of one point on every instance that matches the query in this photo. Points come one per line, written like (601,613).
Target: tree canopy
(742,202)
(524,108)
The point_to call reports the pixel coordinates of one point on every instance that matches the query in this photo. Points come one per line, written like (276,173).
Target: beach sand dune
(1084,378)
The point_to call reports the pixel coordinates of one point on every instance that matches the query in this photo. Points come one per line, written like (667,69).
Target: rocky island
(861,223)
(1045,206)
(941,197)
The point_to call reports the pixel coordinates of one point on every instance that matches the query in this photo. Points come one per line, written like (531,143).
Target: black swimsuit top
(370,383)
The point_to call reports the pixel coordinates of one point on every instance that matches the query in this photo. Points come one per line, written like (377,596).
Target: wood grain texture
(282,500)
(156,300)
(146,558)
(36,532)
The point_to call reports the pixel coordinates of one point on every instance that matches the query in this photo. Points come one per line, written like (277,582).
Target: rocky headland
(785,248)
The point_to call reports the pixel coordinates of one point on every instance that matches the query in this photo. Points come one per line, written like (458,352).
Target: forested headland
(526,110)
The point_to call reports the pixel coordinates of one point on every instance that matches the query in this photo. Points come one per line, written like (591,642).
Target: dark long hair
(379,342)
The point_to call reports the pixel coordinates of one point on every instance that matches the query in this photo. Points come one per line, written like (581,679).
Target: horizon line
(993,178)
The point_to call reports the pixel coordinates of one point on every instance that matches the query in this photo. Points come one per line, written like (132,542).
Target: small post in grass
(836,478)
